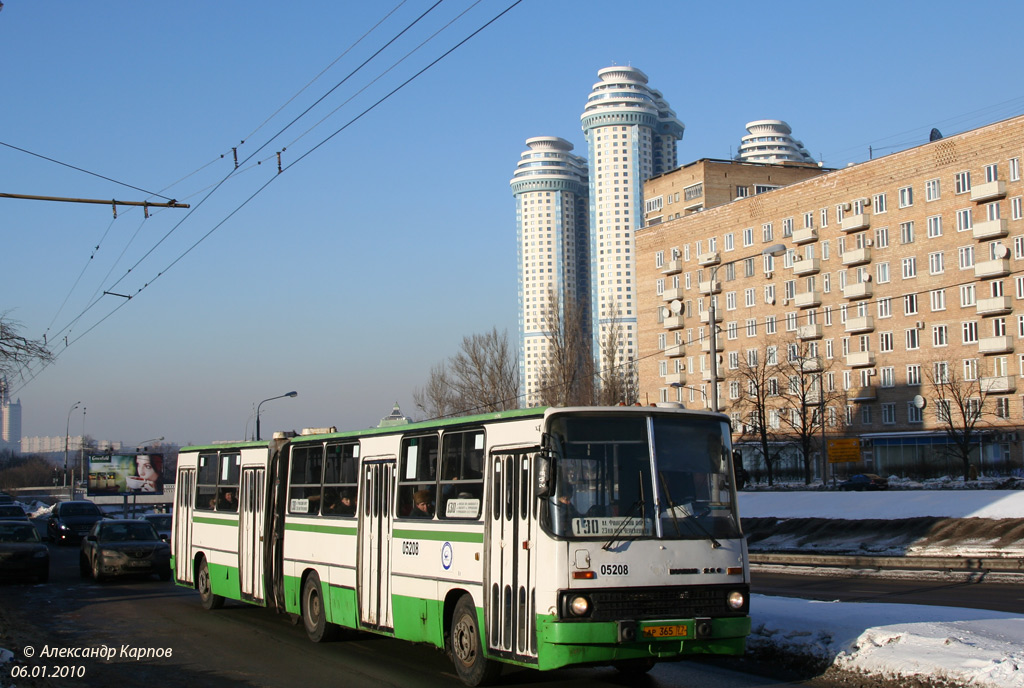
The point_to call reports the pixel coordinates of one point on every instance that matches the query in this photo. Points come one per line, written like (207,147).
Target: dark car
(162,523)
(22,552)
(70,521)
(13,511)
(864,481)
(124,547)
(6,498)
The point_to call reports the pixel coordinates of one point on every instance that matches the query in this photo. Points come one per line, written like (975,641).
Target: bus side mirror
(542,474)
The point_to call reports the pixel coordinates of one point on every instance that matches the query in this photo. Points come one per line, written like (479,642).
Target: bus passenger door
(184,501)
(250,533)
(376,505)
(511,528)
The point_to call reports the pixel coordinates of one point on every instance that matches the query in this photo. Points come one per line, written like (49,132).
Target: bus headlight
(579,606)
(735,600)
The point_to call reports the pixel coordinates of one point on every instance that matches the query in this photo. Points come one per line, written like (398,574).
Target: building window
(885,342)
(914,414)
(882,237)
(879,204)
(766,232)
(865,414)
(909,267)
(906,195)
(970,332)
(940,335)
(888,376)
(963,220)
(910,304)
(913,340)
(935,263)
(991,173)
(934,226)
(967,297)
(882,273)
(962,182)
(965,257)
(1016,209)
(1014,169)
(888,414)
(931,190)
(914,374)
(906,232)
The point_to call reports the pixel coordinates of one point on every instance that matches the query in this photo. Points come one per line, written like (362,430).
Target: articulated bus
(540,538)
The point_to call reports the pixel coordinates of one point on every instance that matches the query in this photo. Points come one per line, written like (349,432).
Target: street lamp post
(773,250)
(67,437)
(142,445)
(281,396)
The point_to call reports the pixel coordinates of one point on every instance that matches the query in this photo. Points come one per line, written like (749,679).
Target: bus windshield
(635,476)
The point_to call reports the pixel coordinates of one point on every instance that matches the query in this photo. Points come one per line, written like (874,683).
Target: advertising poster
(113,474)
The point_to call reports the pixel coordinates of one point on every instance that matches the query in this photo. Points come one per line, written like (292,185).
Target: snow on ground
(884,504)
(963,646)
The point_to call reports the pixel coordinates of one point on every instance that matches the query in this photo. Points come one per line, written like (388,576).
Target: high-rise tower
(631,136)
(550,187)
(10,419)
(770,140)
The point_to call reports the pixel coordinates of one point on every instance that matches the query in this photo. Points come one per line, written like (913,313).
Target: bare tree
(756,377)
(569,372)
(482,377)
(807,398)
(959,409)
(16,351)
(618,374)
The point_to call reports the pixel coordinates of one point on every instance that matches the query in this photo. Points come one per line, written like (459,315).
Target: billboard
(114,474)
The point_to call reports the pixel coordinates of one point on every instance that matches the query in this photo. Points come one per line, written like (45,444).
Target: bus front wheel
(313,616)
(203,584)
(465,648)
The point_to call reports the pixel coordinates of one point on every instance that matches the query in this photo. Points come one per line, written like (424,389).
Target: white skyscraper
(769,140)
(631,136)
(550,187)
(10,419)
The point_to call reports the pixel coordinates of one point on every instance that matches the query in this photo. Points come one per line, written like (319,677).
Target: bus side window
(418,472)
(462,485)
(206,482)
(341,461)
(305,482)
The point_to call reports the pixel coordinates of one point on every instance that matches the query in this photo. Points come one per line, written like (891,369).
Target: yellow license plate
(666,631)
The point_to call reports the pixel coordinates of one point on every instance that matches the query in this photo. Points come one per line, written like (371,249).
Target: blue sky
(370,257)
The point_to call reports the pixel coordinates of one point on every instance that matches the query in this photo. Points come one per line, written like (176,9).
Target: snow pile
(969,647)
(886,504)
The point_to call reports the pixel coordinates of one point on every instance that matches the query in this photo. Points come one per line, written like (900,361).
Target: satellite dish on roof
(935,135)
(676,306)
(919,401)
(1001,251)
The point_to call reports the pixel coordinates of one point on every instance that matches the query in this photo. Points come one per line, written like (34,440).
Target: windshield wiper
(690,518)
(638,503)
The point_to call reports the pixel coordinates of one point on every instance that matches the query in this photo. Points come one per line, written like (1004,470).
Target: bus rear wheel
(314,617)
(206,596)
(465,648)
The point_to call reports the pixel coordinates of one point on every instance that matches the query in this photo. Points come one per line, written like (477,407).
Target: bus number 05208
(614,569)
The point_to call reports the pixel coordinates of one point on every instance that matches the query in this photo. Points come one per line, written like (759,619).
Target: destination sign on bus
(611,526)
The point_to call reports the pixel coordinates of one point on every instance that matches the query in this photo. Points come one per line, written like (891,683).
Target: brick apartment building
(900,290)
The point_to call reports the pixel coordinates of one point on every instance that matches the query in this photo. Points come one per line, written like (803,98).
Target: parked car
(70,521)
(162,523)
(22,552)
(13,511)
(6,498)
(864,481)
(120,547)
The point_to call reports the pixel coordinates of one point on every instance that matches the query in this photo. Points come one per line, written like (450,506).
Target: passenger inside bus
(422,504)
(227,501)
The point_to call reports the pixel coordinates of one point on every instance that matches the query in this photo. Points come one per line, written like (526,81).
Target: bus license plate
(666,631)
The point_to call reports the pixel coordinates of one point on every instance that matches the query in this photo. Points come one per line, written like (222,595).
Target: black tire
(203,585)
(165,575)
(466,649)
(635,667)
(84,569)
(97,575)
(314,616)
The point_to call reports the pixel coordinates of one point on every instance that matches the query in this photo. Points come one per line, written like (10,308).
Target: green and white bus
(541,538)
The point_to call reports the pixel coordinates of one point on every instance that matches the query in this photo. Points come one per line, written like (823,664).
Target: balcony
(864,394)
(860,290)
(674,322)
(805,236)
(860,325)
(674,379)
(807,299)
(856,256)
(1006,384)
(710,288)
(995,345)
(706,259)
(673,267)
(990,229)
(861,359)
(988,192)
(807,267)
(705,345)
(706,375)
(1000,267)
(855,223)
(812,365)
(676,351)
(705,316)
(807,332)
(997,305)
(673,294)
